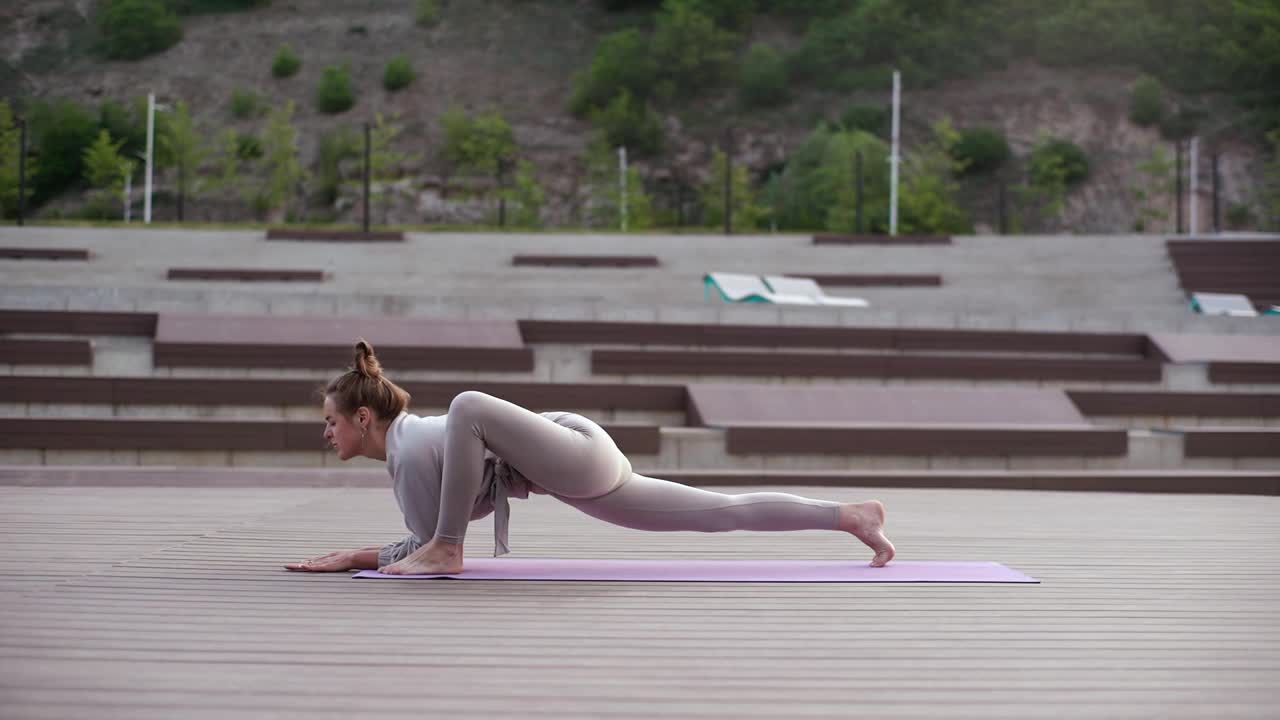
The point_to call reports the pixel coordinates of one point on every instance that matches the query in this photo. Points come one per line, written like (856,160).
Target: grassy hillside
(520,59)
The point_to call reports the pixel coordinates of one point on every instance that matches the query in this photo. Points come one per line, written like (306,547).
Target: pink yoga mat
(723,571)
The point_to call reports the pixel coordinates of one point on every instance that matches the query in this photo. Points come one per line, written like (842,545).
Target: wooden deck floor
(170,602)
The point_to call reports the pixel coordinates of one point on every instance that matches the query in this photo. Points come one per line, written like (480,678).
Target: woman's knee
(468,403)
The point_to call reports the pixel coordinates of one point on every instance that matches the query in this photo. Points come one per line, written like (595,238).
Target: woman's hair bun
(366,363)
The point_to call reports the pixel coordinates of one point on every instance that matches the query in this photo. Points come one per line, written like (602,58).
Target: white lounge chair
(806,287)
(738,288)
(1223,304)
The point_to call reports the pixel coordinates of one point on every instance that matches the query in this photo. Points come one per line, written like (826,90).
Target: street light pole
(151,137)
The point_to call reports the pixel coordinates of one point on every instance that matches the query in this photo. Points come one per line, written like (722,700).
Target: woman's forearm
(365,559)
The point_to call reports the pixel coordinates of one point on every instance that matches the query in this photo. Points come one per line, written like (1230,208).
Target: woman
(451,469)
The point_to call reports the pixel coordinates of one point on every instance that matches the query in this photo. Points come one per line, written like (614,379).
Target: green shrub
(133,29)
(1146,101)
(246,103)
(1239,217)
(867,118)
(691,51)
(622,62)
(1180,125)
(1056,158)
(763,78)
(248,146)
(336,93)
(427,13)
(61,133)
(286,63)
(980,150)
(628,122)
(398,75)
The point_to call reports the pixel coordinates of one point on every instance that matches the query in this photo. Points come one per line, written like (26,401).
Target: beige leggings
(576,461)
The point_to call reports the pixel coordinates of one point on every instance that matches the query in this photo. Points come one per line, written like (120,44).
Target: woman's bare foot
(434,558)
(865,521)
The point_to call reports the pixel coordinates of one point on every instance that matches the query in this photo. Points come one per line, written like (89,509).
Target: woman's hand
(333,562)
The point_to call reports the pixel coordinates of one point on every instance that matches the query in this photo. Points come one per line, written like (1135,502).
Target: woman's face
(341,432)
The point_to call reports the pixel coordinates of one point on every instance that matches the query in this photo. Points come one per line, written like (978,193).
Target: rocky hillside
(519,58)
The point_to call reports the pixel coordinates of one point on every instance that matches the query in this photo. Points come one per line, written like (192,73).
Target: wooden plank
(328,235)
(1180,624)
(246,275)
(30,253)
(746,363)
(78,322)
(836,239)
(1231,442)
(585,261)
(1193,404)
(15,351)
(955,440)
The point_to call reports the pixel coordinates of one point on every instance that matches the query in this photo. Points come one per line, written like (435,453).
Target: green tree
(181,145)
(284,171)
(385,162)
(132,29)
(286,63)
(336,93)
(762,81)
(1146,101)
(105,170)
(398,74)
(484,145)
(526,197)
(690,50)
(622,63)
(630,123)
(744,213)
(61,131)
(980,151)
(338,147)
(1154,190)
(10,142)
(229,169)
(928,202)
(604,209)
(836,179)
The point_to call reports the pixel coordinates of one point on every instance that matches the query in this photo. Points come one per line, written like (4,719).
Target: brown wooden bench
(14,351)
(1229,358)
(22,253)
(272,391)
(788,364)
(653,333)
(836,239)
(181,435)
(1144,481)
(1243,267)
(78,322)
(303,234)
(830,280)
(246,275)
(958,441)
(324,342)
(1193,404)
(1231,442)
(586,261)
(853,420)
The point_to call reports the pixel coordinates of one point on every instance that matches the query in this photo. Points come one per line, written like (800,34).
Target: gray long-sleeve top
(415,461)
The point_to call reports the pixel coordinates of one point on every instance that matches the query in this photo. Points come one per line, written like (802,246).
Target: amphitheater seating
(321,342)
(18,351)
(334,235)
(78,322)
(1191,404)
(1224,442)
(28,253)
(837,239)
(1230,358)
(770,419)
(203,434)
(245,275)
(1246,267)
(586,261)
(884,365)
